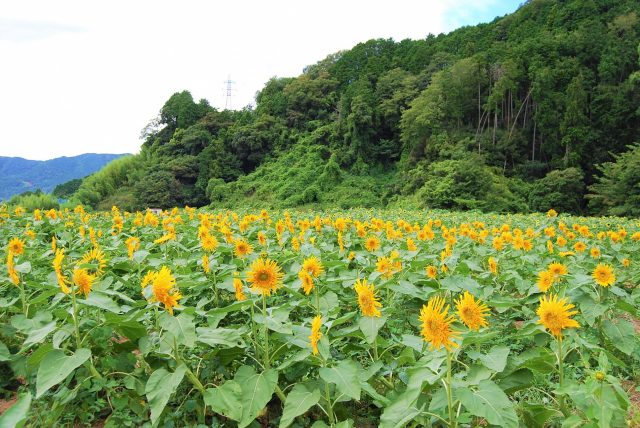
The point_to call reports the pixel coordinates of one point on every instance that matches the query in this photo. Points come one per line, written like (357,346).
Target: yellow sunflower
(436,324)
(16,246)
(307,281)
(555,315)
(265,276)
(83,280)
(57,267)
(493,265)
(237,285)
(471,312)
(209,242)
(603,275)
(316,335)
(545,280)
(372,243)
(163,287)
(557,269)
(133,245)
(431,271)
(313,266)
(367,299)
(242,248)
(96,258)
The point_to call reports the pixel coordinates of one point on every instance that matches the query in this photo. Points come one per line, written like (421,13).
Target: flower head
(493,265)
(57,267)
(307,281)
(313,266)
(163,287)
(83,280)
(472,312)
(16,246)
(367,299)
(431,271)
(555,315)
(603,275)
(372,243)
(265,276)
(237,286)
(242,248)
(133,244)
(96,258)
(545,280)
(316,335)
(436,324)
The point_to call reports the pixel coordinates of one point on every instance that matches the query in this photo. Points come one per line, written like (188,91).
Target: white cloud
(82,76)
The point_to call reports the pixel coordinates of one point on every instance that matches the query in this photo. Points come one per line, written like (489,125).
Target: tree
(617,190)
(561,190)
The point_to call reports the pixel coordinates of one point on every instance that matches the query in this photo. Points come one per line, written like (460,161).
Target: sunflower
(315,333)
(242,248)
(57,267)
(205,263)
(367,299)
(133,245)
(603,274)
(595,252)
(472,312)
(555,315)
(384,265)
(16,246)
(580,246)
(163,288)
(307,281)
(436,324)
(96,258)
(209,242)
(493,265)
(372,243)
(265,276)
(626,262)
(545,280)
(237,285)
(557,269)
(11,270)
(313,266)
(83,280)
(411,245)
(431,271)
(262,238)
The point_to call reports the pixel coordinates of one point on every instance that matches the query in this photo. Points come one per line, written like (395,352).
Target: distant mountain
(19,175)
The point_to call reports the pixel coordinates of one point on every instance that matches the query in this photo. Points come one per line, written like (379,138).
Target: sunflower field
(194,318)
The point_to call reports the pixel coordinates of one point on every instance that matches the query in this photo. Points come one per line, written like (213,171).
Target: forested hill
(515,115)
(18,175)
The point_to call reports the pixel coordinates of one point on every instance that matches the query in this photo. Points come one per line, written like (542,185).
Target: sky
(87,76)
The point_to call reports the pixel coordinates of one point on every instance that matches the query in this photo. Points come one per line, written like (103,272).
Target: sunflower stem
(317,300)
(453,423)
(23,297)
(561,402)
(267,363)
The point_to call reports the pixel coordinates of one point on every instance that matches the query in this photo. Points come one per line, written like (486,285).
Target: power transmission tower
(227,102)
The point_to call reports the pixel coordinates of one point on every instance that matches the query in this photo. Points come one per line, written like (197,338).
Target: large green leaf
(225,399)
(496,359)
(16,415)
(39,334)
(299,400)
(181,327)
(100,300)
(160,386)
(56,366)
(220,336)
(622,335)
(489,402)
(5,355)
(370,326)
(257,389)
(346,377)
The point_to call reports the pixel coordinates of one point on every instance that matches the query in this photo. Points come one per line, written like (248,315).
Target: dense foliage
(484,117)
(346,319)
(21,175)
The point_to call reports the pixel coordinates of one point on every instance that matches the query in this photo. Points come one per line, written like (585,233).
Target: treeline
(535,110)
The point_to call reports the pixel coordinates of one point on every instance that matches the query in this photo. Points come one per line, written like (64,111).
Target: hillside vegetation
(526,113)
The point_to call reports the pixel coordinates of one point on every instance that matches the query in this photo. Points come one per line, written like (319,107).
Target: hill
(520,114)
(21,175)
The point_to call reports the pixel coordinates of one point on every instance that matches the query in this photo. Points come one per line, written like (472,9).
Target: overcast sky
(86,76)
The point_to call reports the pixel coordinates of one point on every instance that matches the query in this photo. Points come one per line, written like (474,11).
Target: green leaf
(299,400)
(100,300)
(622,335)
(537,415)
(181,327)
(56,366)
(220,336)
(5,355)
(160,386)
(225,399)
(496,359)
(257,389)
(370,326)
(489,402)
(23,267)
(402,410)
(16,415)
(39,334)
(346,377)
